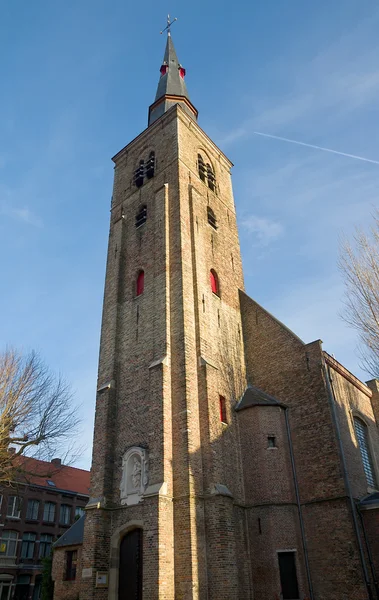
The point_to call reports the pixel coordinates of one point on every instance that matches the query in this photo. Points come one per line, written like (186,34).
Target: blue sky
(77,79)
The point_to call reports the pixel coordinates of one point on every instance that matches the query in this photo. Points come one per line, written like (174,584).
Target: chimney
(56,462)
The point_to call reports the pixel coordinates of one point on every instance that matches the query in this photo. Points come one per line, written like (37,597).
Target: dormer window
(211,178)
(164,69)
(211,218)
(182,71)
(201,168)
(139,173)
(141,216)
(150,165)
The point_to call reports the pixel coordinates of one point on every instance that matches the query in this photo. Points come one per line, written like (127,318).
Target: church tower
(163,520)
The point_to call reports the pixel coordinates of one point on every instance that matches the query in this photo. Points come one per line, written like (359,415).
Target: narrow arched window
(140,283)
(211,218)
(139,174)
(223,415)
(150,165)
(141,216)
(214,282)
(361,432)
(211,178)
(201,168)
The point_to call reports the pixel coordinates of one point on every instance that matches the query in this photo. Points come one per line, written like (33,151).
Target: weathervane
(168,26)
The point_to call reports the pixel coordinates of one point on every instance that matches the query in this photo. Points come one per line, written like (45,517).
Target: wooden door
(130,569)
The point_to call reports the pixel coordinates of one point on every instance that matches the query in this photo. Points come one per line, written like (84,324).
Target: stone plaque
(86,573)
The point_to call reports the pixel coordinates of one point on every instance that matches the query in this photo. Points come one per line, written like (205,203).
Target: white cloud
(22,214)
(264,230)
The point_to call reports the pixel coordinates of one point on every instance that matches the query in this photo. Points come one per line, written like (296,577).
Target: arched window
(140,283)
(214,282)
(150,165)
(141,216)
(211,178)
(139,174)
(201,168)
(361,432)
(211,218)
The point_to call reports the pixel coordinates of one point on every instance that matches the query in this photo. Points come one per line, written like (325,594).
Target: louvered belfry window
(211,178)
(141,216)
(139,174)
(211,218)
(201,168)
(361,432)
(150,165)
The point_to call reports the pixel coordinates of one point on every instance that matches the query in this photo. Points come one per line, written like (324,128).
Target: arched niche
(134,478)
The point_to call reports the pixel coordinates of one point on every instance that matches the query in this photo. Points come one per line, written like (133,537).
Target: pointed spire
(171,87)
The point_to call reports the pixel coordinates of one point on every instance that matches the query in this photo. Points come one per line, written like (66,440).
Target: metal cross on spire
(168,26)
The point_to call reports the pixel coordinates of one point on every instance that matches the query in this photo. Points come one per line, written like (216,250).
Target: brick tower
(164,519)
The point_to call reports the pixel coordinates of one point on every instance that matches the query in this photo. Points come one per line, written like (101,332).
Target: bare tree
(37,415)
(359,264)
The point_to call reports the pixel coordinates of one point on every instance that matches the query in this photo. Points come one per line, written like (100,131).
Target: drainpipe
(332,401)
(302,529)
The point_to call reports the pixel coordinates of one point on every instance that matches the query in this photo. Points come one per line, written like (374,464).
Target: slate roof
(71,479)
(73,536)
(254,396)
(171,83)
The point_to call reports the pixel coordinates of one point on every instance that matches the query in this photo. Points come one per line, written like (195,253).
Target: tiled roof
(39,472)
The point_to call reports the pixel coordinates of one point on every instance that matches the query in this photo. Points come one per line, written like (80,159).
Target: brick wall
(63,589)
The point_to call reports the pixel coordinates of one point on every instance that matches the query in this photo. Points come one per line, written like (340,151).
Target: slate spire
(172,88)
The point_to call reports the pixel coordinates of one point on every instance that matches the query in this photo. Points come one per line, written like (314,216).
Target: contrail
(283,139)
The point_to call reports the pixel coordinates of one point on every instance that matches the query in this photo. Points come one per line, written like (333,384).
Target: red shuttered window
(140,283)
(214,282)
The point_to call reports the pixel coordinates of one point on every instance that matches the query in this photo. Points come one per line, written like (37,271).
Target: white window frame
(44,544)
(6,540)
(48,507)
(15,506)
(65,514)
(34,512)
(28,543)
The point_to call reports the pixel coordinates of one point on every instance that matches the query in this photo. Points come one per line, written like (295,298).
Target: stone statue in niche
(134,477)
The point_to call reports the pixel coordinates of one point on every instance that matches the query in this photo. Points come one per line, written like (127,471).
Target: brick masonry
(224,503)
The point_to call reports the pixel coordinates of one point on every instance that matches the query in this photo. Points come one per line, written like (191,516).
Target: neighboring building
(33,515)
(228,454)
